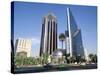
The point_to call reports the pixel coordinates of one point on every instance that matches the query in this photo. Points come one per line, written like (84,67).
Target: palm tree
(62,38)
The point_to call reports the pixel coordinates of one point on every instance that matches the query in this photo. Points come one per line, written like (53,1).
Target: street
(54,68)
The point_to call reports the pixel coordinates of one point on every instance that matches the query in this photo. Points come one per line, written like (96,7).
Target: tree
(45,58)
(72,59)
(78,58)
(28,61)
(62,38)
(66,57)
(19,61)
(93,58)
(82,59)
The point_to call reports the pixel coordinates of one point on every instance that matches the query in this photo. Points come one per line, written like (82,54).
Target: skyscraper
(73,36)
(49,34)
(23,47)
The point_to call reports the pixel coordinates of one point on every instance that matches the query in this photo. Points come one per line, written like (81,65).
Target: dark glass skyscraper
(49,34)
(73,42)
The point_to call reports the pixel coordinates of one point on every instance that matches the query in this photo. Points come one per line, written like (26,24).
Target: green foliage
(20,62)
(62,38)
(61,65)
(45,57)
(31,61)
(82,59)
(72,59)
(93,58)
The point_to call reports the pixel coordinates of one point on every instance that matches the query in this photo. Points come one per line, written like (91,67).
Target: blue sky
(28,22)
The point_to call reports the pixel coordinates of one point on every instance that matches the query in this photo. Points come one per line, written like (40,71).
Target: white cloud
(35,41)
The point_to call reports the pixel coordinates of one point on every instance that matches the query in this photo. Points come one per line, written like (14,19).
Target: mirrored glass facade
(73,42)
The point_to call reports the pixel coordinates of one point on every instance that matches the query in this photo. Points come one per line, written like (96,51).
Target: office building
(49,34)
(73,44)
(23,47)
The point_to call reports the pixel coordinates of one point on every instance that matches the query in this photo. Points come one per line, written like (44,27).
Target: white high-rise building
(23,46)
